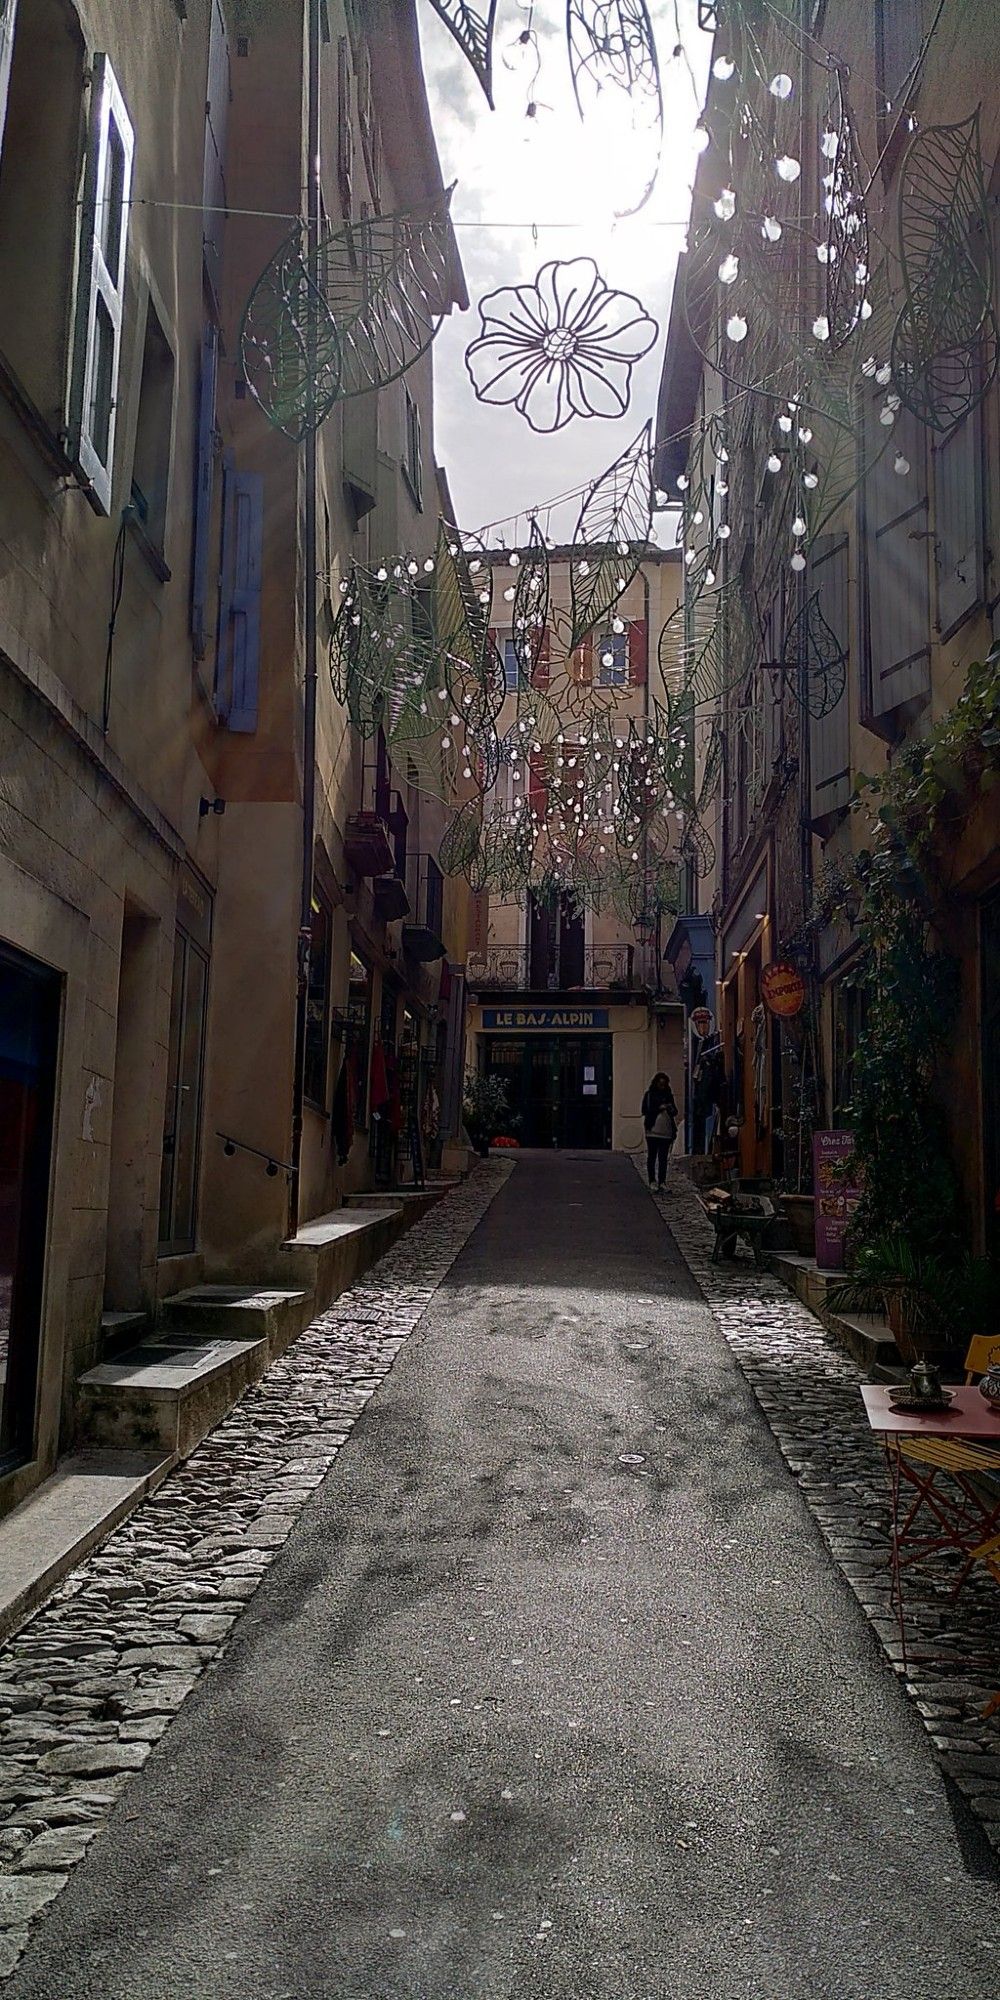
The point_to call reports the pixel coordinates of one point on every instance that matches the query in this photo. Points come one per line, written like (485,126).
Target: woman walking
(659,1117)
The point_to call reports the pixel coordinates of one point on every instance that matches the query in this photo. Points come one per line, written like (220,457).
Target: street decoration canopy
(825,344)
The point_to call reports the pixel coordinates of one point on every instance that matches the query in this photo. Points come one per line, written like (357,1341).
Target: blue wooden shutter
(8,9)
(830,735)
(898,574)
(899,42)
(238,671)
(204,481)
(958,521)
(216,124)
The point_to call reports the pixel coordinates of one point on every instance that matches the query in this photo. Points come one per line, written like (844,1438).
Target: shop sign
(783,990)
(835,1197)
(520,1019)
(702,1021)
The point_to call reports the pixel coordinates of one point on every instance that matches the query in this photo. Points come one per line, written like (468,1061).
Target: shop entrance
(29,1033)
(559,1085)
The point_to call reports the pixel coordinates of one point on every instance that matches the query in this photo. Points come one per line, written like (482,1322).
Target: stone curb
(815,1415)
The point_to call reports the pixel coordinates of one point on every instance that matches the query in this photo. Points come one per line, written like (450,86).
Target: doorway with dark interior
(30,998)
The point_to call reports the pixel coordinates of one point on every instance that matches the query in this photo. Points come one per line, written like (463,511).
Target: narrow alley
(553,1688)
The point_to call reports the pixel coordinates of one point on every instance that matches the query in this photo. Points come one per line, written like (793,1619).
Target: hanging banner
(783,990)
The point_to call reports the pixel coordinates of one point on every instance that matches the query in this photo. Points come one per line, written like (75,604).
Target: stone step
(120,1330)
(240,1312)
(865,1336)
(68,1515)
(168,1392)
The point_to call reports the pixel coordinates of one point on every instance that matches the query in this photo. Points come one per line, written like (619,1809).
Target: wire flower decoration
(563,347)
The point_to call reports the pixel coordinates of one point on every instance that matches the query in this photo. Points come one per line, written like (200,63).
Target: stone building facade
(152,761)
(904,573)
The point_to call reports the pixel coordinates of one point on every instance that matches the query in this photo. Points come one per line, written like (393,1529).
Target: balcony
(422,937)
(514,969)
(367,846)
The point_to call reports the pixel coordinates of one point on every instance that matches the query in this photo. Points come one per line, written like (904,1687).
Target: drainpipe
(309,469)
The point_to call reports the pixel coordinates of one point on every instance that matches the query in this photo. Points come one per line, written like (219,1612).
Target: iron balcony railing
(520,969)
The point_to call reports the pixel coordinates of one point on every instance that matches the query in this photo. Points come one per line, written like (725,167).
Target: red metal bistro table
(944,1470)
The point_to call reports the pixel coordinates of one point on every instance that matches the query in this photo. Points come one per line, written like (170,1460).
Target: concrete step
(168,1392)
(120,1330)
(239,1312)
(328,1253)
(68,1515)
(865,1336)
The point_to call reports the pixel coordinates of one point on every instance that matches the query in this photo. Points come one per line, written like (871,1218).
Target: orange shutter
(637,652)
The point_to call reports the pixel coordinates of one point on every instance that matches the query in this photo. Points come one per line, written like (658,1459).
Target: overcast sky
(514,172)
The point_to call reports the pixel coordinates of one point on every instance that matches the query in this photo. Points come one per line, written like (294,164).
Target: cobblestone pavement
(809,1392)
(92,1681)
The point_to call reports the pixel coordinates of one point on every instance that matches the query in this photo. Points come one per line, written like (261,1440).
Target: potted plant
(485,1109)
(914,1288)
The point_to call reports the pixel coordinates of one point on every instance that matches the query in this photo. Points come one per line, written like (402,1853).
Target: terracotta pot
(801,1212)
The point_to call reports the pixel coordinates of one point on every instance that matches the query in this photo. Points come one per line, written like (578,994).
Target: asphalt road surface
(552,1692)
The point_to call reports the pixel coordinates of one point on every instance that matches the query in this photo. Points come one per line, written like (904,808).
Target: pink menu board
(836,1198)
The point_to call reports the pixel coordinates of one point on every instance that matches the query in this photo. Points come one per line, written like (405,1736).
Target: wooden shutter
(830,735)
(581,660)
(479,922)
(204,482)
(216,125)
(97,337)
(898,581)
(638,652)
(900,39)
(538,782)
(958,521)
(540,671)
(345,129)
(238,670)
(8,9)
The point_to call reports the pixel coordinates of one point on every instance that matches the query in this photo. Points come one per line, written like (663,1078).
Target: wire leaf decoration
(531,605)
(473,31)
(351,319)
(612,53)
(944,347)
(615,523)
(815,661)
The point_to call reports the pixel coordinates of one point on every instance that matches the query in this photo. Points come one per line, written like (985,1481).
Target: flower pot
(800,1210)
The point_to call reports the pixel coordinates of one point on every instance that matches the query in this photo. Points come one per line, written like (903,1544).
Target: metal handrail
(231,1146)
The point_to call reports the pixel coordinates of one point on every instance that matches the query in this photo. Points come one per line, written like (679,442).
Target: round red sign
(783,990)
(702,1022)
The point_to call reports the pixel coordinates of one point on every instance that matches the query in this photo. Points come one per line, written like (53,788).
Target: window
(359,1014)
(612,653)
(318,1004)
(412,454)
(511,669)
(97,335)
(39,150)
(217,98)
(154,426)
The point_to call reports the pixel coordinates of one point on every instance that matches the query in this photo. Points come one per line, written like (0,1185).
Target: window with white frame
(97,337)
(39,174)
(511,669)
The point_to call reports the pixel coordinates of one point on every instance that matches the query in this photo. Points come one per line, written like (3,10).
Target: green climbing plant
(907,980)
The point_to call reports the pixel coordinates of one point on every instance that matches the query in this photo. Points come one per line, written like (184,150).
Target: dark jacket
(653,1103)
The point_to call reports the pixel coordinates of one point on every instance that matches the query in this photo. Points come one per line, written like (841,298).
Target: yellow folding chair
(984,1352)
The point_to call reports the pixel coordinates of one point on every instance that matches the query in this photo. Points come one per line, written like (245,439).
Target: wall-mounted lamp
(211,806)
